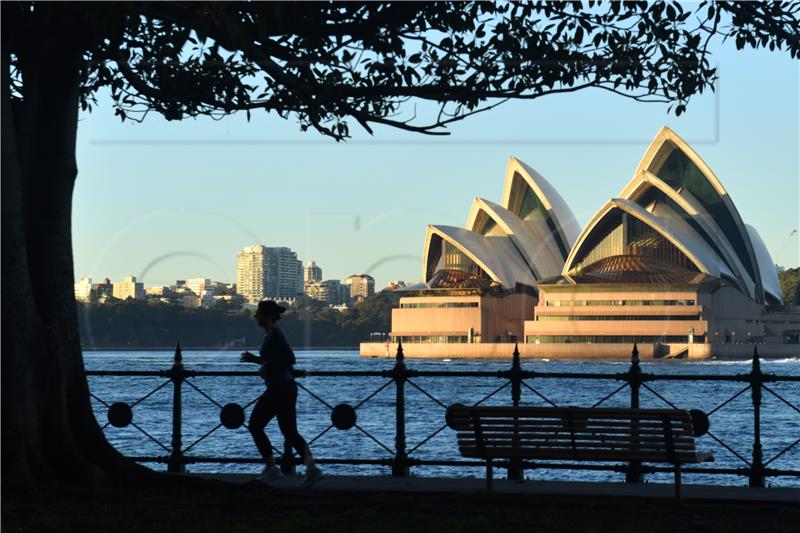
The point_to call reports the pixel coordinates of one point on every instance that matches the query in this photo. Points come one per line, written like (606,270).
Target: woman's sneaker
(269,475)
(313,474)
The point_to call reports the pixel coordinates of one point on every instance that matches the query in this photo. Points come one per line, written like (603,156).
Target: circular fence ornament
(232,416)
(120,414)
(343,416)
(448,415)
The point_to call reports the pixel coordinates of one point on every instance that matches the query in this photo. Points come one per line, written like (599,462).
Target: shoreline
(582,352)
(204,348)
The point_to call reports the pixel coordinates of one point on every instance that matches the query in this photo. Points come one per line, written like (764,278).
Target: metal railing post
(516,377)
(515,464)
(400,463)
(634,472)
(757,466)
(176,463)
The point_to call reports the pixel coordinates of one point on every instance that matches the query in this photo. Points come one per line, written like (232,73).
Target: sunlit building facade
(251,267)
(361,286)
(330,291)
(128,288)
(284,274)
(83,290)
(312,272)
(268,273)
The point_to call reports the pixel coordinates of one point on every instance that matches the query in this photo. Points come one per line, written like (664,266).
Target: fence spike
(756,361)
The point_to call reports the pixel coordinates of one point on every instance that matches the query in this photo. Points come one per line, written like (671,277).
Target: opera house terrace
(668,264)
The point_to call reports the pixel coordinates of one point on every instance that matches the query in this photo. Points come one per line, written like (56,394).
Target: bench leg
(489,474)
(677,480)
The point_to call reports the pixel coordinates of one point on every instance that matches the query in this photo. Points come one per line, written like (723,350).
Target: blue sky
(175,200)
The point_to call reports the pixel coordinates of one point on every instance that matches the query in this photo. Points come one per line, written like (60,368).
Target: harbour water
(374,436)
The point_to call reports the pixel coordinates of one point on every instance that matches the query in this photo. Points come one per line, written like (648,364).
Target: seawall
(600,352)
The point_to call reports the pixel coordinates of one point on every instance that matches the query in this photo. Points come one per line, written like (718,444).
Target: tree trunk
(49,429)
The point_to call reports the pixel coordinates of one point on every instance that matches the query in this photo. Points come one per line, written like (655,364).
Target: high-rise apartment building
(103,290)
(311,289)
(268,272)
(330,291)
(284,274)
(251,266)
(199,285)
(83,290)
(129,288)
(157,292)
(312,272)
(361,286)
(205,289)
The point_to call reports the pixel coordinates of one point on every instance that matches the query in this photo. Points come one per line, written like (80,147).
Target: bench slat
(575,423)
(554,440)
(561,449)
(586,455)
(569,449)
(591,412)
(644,431)
(583,417)
(630,430)
(580,421)
(565,440)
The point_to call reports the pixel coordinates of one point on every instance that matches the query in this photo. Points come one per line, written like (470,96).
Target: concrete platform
(387,484)
(576,351)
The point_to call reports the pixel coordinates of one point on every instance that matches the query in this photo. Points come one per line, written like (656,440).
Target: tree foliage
(136,324)
(327,64)
(790,279)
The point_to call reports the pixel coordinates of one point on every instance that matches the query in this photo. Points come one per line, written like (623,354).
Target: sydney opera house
(668,264)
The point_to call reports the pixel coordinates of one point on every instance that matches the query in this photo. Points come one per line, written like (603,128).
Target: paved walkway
(551,488)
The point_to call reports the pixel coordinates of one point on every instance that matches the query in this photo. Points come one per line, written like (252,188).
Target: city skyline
(172,282)
(262,273)
(197,191)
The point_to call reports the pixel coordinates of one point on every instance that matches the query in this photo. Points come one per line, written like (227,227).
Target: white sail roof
(555,212)
(533,239)
(671,159)
(677,232)
(686,219)
(769,274)
(692,210)
(497,256)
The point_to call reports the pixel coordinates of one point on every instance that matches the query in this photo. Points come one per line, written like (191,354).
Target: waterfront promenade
(368,504)
(431,485)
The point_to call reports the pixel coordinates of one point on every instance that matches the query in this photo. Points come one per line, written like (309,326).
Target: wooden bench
(579,434)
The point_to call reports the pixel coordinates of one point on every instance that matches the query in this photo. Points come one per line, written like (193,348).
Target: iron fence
(401,459)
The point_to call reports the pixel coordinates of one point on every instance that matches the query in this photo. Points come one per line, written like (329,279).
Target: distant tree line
(790,278)
(307,323)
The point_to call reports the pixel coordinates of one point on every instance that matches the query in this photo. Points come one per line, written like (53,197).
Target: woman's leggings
(279,400)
